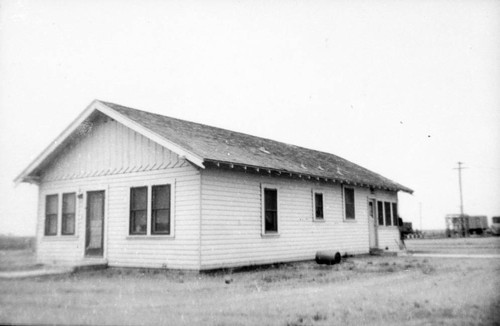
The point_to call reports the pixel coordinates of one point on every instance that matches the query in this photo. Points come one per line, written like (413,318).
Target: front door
(372,224)
(94,238)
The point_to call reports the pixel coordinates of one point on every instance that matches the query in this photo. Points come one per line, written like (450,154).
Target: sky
(404,88)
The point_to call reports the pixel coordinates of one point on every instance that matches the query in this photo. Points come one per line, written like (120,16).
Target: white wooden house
(139,189)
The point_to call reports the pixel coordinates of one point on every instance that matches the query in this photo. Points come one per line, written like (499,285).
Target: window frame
(150,234)
(46,228)
(344,203)
(265,233)
(388,213)
(64,215)
(380,213)
(153,217)
(395,215)
(132,211)
(314,208)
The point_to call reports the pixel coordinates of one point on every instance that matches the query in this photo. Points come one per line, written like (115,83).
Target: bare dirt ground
(360,291)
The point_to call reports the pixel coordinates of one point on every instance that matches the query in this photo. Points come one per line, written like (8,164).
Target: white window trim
(263,232)
(60,192)
(149,186)
(348,220)
(313,195)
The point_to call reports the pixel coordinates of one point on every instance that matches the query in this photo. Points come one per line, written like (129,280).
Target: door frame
(375,222)
(87,224)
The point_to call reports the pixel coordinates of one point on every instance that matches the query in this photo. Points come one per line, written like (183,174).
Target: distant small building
(139,189)
(457,224)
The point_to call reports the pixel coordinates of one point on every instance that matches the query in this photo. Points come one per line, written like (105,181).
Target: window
(51,208)
(270,210)
(138,210)
(151,210)
(395,214)
(380,211)
(68,214)
(349,203)
(318,206)
(160,210)
(388,217)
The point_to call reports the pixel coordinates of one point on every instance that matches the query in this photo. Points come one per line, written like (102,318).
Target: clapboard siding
(181,251)
(389,238)
(107,147)
(113,158)
(231,224)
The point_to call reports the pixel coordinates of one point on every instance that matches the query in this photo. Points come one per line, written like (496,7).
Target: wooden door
(94,238)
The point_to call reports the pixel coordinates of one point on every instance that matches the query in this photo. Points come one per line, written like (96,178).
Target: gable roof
(201,144)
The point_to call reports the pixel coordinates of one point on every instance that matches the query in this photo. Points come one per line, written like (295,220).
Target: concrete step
(57,269)
(44,271)
(381,252)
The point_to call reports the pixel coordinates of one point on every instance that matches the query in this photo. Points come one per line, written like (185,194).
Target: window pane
(68,224)
(395,213)
(69,203)
(388,216)
(349,203)
(138,222)
(139,198)
(270,200)
(52,224)
(161,221)
(271,224)
(380,209)
(161,197)
(318,200)
(51,204)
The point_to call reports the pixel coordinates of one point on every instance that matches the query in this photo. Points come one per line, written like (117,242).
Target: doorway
(372,224)
(94,238)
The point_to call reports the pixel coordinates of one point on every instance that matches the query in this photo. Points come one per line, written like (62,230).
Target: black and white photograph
(250,162)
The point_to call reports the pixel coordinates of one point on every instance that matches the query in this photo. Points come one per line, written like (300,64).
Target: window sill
(353,220)
(319,220)
(150,237)
(60,238)
(270,235)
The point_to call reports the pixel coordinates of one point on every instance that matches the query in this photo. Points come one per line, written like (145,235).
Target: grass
(16,243)
(359,291)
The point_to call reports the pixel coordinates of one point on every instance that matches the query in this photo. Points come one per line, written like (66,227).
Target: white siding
(231,224)
(109,148)
(113,158)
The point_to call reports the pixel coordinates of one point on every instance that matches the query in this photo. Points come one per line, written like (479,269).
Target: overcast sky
(404,88)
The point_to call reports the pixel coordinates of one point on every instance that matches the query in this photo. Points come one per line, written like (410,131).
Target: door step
(381,252)
(90,265)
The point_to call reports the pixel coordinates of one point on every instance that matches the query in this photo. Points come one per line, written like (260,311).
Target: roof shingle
(221,145)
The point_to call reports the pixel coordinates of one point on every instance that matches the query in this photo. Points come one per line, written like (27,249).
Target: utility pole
(462,217)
